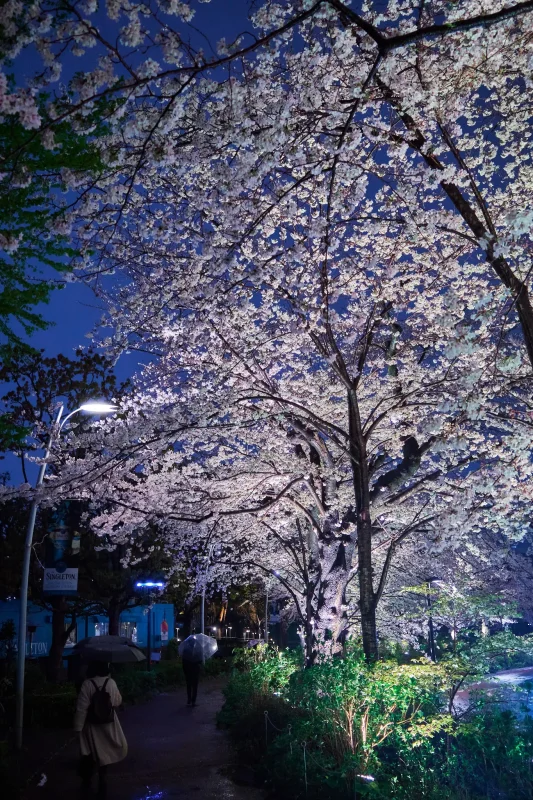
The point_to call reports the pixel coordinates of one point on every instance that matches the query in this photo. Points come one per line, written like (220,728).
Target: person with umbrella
(102,740)
(192,676)
(194,651)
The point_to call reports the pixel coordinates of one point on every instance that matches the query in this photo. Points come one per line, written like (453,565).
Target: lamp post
(59,423)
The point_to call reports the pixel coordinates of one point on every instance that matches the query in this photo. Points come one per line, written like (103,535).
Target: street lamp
(59,423)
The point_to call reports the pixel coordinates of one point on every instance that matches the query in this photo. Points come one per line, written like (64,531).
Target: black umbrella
(113,649)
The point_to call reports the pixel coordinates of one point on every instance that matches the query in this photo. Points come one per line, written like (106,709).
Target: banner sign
(164,630)
(61,561)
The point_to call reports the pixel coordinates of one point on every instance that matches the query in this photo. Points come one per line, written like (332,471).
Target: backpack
(101,711)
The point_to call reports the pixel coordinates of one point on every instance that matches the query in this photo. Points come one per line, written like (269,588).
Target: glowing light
(98,408)
(157,584)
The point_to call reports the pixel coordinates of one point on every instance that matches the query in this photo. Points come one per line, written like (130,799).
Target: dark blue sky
(74,310)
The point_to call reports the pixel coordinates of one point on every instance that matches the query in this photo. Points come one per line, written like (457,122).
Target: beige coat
(105,743)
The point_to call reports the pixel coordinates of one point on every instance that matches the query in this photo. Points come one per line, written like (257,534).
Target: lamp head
(98,408)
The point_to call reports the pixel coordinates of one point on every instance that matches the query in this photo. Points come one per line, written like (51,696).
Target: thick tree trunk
(329,614)
(361,483)
(114,617)
(60,635)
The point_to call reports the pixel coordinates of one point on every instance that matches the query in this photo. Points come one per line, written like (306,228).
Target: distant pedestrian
(102,740)
(192,674)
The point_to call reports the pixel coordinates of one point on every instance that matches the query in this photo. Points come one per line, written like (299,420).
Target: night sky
(74,309)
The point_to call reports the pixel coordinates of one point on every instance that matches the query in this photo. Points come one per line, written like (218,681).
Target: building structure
(136,622)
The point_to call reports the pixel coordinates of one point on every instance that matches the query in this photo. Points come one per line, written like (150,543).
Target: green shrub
(343,729)
(135,684)
(53,707)
(169,673)
(170,652)
(352,713)
(269,668)
(217,666)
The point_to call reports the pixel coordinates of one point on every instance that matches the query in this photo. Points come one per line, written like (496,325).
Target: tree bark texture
(114,611)
(60,635)
(361,483)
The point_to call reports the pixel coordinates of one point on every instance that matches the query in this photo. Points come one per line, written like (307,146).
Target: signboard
(61,560)
(56,582)
(164,630)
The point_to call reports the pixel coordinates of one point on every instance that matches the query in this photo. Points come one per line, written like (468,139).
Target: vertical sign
(61,560)
(164,629)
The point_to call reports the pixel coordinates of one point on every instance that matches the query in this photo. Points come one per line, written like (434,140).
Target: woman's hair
(98,669)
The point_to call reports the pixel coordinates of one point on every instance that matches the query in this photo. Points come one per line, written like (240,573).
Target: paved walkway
(500,687)
(174,752)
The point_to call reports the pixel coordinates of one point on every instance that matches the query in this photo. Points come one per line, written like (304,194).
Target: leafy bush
(270,669)
(491,756)
(52,707)
(136,684)
(170,652)
(217,666)
(353,714)
(169,673)
(345,729)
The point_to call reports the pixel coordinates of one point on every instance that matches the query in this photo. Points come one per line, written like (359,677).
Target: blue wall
(134,623)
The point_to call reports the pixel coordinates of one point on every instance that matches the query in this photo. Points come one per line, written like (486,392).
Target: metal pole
(150,636)
(266,614)
(202,609)
(23,617)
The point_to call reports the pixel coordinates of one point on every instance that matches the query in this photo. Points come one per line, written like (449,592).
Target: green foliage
(33,168)
(171,650)
(493,750)
(52,706)
(37,383)
(260,677)
(217,666)
(474,657)
(269,668)
(136,683)
(351,729)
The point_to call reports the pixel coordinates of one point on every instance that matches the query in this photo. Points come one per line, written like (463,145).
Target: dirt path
(174,752)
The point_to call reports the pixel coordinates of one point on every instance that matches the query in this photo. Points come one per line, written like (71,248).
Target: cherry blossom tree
(323,238)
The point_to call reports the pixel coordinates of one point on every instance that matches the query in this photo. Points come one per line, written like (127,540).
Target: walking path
(501,687)
(175,751)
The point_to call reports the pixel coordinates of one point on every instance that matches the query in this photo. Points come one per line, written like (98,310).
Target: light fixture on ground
(57,427)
